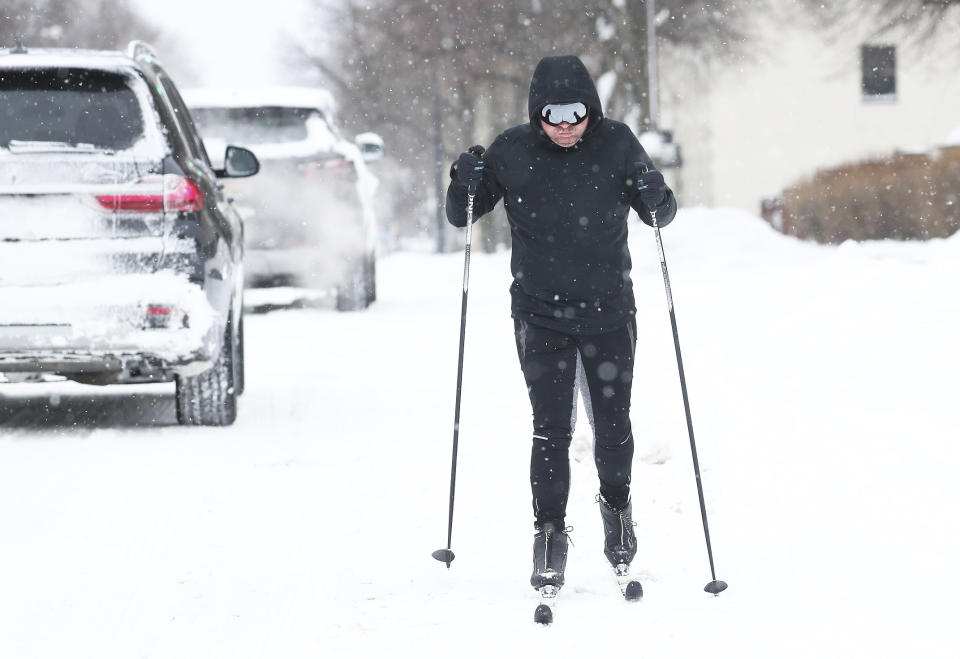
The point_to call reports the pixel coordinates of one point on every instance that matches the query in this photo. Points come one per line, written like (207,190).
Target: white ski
(630,588)
(548,602)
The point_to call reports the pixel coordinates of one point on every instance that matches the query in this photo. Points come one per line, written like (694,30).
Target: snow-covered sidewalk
(822,382)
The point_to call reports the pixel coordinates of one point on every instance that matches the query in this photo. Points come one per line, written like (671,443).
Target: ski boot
(619,541)
(549,561)
(549,555)
(620,546)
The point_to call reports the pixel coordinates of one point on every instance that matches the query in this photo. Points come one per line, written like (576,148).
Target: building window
(878,73)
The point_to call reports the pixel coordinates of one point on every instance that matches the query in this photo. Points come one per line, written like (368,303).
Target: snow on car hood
(293,97)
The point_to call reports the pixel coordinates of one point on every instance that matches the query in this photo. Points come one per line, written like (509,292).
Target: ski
(630,588)
(548,602)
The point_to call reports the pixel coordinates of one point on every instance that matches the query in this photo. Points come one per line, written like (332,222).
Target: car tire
(371,282)
(353,294)
(239,373)
(210,398)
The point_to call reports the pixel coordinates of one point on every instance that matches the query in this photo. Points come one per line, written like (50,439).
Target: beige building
(804,98)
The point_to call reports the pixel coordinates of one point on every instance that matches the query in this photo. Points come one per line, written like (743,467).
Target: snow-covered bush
(905,196)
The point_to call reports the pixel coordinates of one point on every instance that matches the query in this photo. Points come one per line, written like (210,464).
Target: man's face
(565,135)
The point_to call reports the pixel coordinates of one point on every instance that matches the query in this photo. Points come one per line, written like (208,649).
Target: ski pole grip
(476,150)
(641,169)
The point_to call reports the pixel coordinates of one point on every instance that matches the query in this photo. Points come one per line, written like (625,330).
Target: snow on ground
(822,383)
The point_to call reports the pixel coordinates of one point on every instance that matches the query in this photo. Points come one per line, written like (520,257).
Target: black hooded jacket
(567,208)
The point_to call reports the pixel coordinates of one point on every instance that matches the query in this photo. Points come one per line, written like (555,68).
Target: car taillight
(336,166)
(155,194)
(132,203)
(164,316)
(181,194)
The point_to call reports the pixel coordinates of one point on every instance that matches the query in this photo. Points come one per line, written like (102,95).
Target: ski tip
(633,592)
(715,587)
(543,615)
(444,556)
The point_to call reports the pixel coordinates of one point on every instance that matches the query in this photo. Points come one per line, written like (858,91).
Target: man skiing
(568,179)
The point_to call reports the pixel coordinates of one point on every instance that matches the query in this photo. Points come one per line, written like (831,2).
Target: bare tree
(437,77)
(715,28)
(922,18)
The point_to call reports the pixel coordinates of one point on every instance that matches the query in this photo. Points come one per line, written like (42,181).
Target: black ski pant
(556,366)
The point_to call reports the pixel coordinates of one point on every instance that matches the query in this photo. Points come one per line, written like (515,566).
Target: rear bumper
(99,368)
(124,323)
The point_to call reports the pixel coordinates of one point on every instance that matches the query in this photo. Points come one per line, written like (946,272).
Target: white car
(309,213)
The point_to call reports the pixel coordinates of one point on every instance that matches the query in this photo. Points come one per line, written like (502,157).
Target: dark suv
(120,257)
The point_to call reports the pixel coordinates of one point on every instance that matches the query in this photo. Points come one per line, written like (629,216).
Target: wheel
(239,373)
(371,283)
(353,294)
(210,398)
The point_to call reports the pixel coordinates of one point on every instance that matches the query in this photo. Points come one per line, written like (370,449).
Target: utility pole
(638,20)
(653,117)
(441,225)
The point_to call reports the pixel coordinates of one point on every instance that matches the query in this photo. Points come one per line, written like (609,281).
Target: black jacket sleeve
(667,209)
(488,193)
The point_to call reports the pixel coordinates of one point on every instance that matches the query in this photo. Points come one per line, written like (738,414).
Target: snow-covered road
(822,380)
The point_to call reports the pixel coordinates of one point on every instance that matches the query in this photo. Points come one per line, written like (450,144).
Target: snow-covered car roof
(85,59)
(293,97)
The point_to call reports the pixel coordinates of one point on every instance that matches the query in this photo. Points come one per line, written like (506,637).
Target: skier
(568,179)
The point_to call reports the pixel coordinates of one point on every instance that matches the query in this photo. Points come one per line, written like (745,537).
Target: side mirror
(370,145)
(239,162)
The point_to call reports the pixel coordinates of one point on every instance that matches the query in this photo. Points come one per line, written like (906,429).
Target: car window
(79,107)
(183,117)
(257,125)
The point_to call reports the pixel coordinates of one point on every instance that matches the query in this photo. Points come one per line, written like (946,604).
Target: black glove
(469,167)
(651,186)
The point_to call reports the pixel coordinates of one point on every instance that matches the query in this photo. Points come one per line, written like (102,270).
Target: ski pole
(446,555)
(715,587)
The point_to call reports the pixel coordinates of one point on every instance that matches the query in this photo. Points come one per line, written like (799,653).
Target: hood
(563,79)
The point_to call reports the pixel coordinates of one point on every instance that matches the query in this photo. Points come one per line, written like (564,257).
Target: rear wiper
(36,146)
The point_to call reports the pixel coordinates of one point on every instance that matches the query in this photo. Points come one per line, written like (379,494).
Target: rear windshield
(71,106)
(251,126)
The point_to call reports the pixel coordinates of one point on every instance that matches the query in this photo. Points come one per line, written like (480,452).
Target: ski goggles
(571,113)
